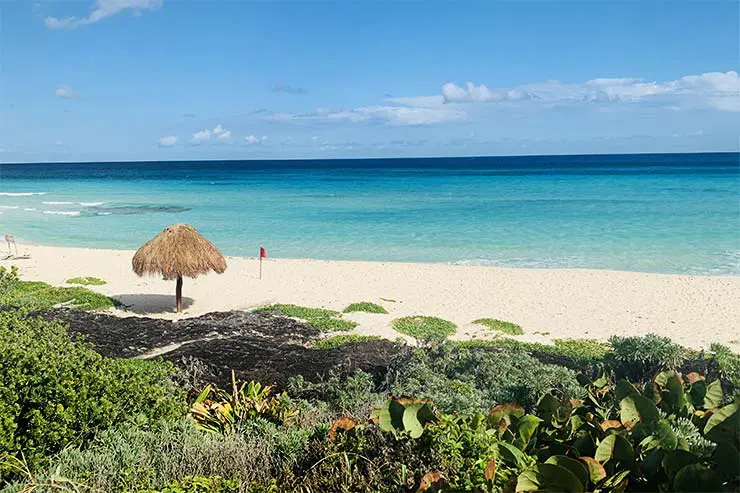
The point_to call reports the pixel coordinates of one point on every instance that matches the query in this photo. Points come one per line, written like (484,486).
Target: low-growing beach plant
(86,281)
(8,279)
(34,295)
(424,328)
(319,318)
(341,340)
(637,356)
(56,392)
(500,326)
(366,307)
(729,364)
(572,353)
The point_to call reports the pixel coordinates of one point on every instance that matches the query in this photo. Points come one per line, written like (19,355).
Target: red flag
(263,253)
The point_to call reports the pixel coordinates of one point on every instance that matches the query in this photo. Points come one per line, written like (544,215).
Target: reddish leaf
(694,377)
(431,481)
(595,470)
(611,423)
(490,471)
(343,423)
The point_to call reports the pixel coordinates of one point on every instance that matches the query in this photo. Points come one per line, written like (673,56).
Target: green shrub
(341,340)
(365,306)
(424,328)
(86,281)
(200,484)
(729,364)
(55,392)
(318,318)
(639,357)
(34,295)
(8,279)
(131,458)
(573,353)
(352,395)
(470,380)
(500,326)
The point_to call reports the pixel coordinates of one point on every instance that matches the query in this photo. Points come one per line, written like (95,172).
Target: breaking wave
(63,213)
(126,210)
(20,194)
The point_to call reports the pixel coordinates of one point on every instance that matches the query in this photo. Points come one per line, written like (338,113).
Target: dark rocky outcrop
(260,346)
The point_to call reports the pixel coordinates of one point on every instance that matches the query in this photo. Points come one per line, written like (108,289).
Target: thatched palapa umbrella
(178,251)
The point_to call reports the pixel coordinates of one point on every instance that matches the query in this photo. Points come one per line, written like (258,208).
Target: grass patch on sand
(318,318)
(365,306)
(341,340)
(34,295)
(424,328)
(500,326)
(86,281)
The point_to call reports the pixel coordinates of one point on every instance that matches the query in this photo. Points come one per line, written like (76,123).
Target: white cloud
(219,133)
(201,136)
(717,90)
(66,92)
(253,139)
(167,141)
(100,9)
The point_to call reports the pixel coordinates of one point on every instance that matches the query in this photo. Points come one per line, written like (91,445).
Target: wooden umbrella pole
(178,294)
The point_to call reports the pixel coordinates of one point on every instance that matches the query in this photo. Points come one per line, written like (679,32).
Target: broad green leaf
(724,424)
(614,447)
(575,466)
(596,471)
(411,421)
(714,396)
(390,416)
(727,458)
(697,393)
(636,408)
(526,428)
(696,478)
(616,483)
(624,389)
(674,391)
(547,406)
(511,455)
(665,435)
(549,477)
(675,460)
(505,412)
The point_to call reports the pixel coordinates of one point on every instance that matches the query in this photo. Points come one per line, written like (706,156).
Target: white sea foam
(29,208)
(83,204)
(8,206)
(20,194)
(63,213)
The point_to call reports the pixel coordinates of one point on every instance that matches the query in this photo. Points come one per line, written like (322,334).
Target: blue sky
(156,79)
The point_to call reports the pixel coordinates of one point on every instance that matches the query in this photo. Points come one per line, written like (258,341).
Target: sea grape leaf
(596,471)
(727,458)
(714,396)
(624,389)
(665,435)
(696,478)
(675,460)
(636,408)
(614,447)
(724,424)
(526,428)
(698,392)
(549,477)
(511,455)
(575,466)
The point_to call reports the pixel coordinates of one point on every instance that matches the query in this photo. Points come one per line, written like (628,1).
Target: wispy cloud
(395,115)
(287,88)
(219,133)
(716,90)
(66,92)
(99,10)
(167,141)
(253,139)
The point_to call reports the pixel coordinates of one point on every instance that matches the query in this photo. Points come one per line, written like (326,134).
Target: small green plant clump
(34,295)
(341,340)
(424,328)
(319,318)
(500,326)
(86,281)
(366,307)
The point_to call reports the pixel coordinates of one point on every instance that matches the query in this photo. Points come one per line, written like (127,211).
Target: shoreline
(693,310)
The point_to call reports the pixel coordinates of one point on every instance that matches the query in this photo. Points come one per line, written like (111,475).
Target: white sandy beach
(547,303)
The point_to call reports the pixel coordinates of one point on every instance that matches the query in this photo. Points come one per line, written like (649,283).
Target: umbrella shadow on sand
(151,304)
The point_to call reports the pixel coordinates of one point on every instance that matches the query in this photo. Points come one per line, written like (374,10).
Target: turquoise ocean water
(673,213)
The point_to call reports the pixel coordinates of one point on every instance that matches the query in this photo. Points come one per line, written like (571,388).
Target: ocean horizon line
(384,158)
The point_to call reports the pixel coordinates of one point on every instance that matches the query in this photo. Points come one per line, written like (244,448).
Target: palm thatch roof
(178,251)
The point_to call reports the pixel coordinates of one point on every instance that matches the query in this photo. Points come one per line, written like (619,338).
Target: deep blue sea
(673,213)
